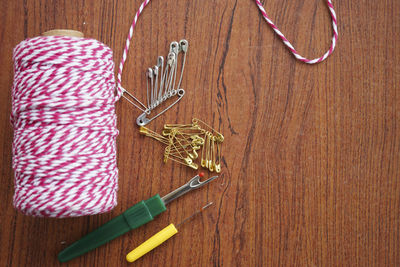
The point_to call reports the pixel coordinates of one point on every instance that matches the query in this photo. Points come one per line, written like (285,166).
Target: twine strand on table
(267,19)
(290,46)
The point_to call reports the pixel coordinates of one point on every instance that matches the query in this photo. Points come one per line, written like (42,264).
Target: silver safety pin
(193,184)
(160,84)
(154,92)
(142,120)
(133,100)
(149,74)
(160,64)
(183,46)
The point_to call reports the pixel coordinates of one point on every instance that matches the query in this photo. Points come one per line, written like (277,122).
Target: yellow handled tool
(152,243)
(158,238)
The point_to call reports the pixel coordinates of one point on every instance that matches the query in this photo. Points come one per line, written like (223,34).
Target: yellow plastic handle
(152,243)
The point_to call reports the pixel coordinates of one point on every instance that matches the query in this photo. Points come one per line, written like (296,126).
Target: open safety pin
(142,120)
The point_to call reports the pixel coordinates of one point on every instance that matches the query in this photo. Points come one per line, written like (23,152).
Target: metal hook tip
(197,181)
(210,179)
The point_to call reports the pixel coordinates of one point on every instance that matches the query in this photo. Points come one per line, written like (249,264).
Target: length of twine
(64,151)
(290,46)
(120,89)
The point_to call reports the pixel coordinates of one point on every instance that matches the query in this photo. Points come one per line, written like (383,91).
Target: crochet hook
(159,238)
(137,215)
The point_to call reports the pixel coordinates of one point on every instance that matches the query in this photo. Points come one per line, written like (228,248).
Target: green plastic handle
(132,218)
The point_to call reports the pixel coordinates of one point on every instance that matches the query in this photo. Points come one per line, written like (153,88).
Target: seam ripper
(135,216)
(159,238)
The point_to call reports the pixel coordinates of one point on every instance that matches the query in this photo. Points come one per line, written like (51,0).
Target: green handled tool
(137,215)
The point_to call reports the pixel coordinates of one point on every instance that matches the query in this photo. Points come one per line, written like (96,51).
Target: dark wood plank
(311,153)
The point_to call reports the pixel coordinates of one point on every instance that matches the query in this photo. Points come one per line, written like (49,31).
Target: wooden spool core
(63,32)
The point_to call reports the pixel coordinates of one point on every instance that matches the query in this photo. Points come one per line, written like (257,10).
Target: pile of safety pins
(163,83)
(183,141)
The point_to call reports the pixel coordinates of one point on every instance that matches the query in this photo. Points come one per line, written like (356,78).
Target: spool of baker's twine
(64,147)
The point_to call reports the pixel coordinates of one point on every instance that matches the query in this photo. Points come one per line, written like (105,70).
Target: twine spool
(63,114)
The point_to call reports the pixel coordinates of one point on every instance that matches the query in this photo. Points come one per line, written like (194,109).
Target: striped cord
(120,89)
(63,114)
(290,46)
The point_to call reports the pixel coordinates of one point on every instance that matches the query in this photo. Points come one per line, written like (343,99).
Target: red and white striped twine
(267,19)
(64,147)
(120,89)
(290,46)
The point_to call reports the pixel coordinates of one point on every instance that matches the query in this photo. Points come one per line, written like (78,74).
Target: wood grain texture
(311,154)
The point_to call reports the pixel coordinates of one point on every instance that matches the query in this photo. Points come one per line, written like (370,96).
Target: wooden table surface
(311,153)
